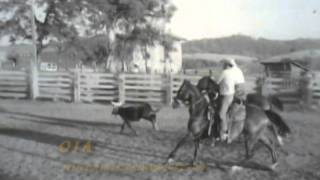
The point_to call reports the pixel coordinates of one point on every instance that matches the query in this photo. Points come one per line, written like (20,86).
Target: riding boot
(224,136)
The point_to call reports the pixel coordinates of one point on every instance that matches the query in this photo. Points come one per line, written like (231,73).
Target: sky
(272,19)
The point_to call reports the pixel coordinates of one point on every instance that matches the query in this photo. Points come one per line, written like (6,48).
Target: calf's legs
(126,122)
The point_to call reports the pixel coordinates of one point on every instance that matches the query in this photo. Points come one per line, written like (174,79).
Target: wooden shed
(283,68)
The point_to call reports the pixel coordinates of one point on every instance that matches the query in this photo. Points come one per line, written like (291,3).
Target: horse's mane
(192,87)
(210,83)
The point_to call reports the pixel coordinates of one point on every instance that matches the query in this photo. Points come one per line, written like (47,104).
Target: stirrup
(225,137)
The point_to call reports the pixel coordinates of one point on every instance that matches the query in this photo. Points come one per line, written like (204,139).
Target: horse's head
(184,94)
(203,83)
(208,86)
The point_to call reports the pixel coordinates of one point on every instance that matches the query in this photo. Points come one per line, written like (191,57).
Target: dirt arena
(32,132)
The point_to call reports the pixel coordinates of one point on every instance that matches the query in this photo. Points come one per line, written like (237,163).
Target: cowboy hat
(229,61)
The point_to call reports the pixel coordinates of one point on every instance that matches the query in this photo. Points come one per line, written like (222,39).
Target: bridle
(187,99)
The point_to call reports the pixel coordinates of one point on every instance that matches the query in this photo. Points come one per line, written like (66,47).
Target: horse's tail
(276,134)
(277,120)
(275,101)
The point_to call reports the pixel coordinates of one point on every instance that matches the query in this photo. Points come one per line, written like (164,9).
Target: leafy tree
(67,20)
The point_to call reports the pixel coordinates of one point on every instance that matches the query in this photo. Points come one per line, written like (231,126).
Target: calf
(131,113)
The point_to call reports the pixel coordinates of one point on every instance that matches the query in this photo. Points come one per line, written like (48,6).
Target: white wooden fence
(286,89)
(142,88)
(294,90)
(90,87)
(315,88)
(55,85)
(77,86)
(14,84)
(151,88)
(80,86)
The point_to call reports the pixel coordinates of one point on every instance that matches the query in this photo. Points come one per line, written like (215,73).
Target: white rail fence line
(294,90)
(80,86)
(95,87)
(55,85)
(14,84)
(315,88)
(286,89)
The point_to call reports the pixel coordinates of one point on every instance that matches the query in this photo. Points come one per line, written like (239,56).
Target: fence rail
(315,89)
(95,87)
(142,88)
(294,90)
(14,84)
(77,86)
(286,89)
(55,86)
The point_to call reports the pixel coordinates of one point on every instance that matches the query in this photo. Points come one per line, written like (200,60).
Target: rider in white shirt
(229,80)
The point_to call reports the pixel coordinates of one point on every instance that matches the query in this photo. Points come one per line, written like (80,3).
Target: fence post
(169,89)
(121,86)
(34,85)
(76,85)
(265,87)
(259,85)
(305,89)
(308,91)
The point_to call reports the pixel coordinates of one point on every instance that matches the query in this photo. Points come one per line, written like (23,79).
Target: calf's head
(116,106)
(152,117)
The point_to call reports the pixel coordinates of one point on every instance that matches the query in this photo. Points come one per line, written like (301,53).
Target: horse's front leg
(196,148)
(248,147)
(172,155)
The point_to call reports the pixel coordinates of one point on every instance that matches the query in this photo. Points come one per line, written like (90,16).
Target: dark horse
(254,125)
(268,104)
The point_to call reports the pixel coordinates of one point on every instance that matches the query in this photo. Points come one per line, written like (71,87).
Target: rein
(197,102)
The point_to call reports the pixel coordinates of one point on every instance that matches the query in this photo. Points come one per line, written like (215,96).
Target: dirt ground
(32,132)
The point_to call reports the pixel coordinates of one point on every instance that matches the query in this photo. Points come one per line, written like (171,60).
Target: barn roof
(313,53)
(287,60)
(293,57)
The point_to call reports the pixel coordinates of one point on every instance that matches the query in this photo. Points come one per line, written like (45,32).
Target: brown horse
(254,126)
(269,104)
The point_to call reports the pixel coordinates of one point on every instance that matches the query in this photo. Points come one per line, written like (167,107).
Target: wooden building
(283,68)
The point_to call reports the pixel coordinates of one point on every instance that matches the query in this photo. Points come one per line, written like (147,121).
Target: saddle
(235,117)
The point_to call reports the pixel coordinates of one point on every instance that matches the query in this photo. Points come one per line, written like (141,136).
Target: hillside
(248,46)
(217,57)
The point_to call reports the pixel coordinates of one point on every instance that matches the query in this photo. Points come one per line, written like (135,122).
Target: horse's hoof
(280,140)
(213,144)
(273,166)
(170,161)
(235,169)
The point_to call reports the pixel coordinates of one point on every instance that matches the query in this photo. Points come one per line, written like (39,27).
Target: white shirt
(229,79)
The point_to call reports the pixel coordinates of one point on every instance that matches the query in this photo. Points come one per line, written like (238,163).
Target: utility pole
(34,36)
(34,88)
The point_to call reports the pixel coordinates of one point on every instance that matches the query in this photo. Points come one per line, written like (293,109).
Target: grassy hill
(248,46)
(206,53)
(217,57)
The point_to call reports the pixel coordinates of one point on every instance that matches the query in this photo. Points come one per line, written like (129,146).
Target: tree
(141,26)
(67,20)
